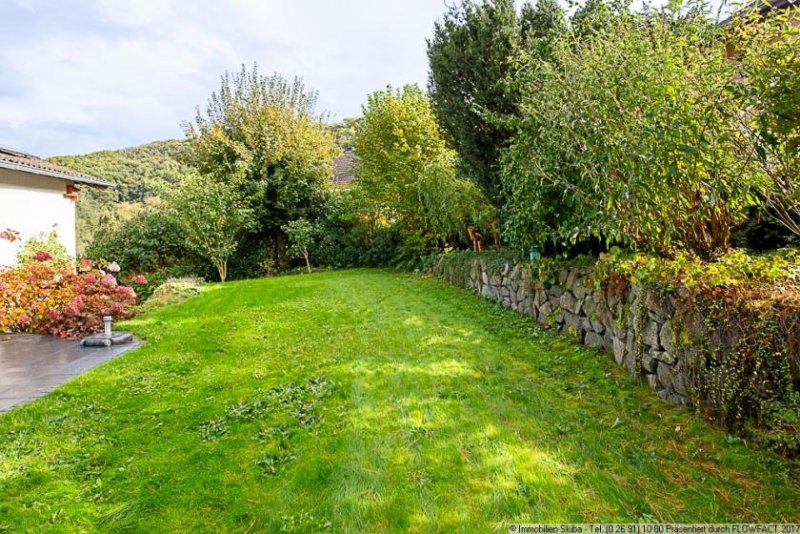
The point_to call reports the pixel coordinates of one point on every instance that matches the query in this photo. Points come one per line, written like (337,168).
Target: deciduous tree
(261,136)
(213,216)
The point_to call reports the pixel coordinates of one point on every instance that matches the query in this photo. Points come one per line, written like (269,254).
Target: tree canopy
(262,136)
(472,57)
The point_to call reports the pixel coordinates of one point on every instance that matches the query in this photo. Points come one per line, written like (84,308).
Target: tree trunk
(308,264)
(281,258)
(222,269)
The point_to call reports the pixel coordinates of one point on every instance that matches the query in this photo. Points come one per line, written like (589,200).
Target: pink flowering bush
(50,298)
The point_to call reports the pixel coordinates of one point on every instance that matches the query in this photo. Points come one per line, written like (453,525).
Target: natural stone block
(567,301)
(659,305)
(522,294)
(597,326)
(593,340)
(666,338)
(649,363)
(664,356)
(572,278)
(650,335)
(633,294)
(618,329)
(679,384)
(608,341)
(563,274)
(630,363)
(677,400)
(487,292)
(573,321)
(580,291)
(664,374)
(589,306)
(619,350)
(586,324)
(555,291)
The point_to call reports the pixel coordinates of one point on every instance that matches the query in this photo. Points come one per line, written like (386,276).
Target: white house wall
(34,205)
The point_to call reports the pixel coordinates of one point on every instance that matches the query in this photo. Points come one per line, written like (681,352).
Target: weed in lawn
(270,463)
(214,429)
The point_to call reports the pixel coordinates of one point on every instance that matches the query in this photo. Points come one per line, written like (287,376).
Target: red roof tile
(344,169)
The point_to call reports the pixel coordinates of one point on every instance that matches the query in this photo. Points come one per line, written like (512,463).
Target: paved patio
(32,365)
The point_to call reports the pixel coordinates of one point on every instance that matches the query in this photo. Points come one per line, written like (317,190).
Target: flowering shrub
(48,298)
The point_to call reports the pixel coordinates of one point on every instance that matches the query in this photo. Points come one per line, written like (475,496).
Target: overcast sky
(78,76)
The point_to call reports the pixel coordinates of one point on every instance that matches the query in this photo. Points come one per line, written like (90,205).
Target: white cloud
(134,12)
(123,72)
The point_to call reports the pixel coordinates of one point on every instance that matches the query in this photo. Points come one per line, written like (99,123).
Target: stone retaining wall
(635,325)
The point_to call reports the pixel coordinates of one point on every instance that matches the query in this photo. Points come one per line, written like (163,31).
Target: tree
(262,137)
(472,56)
(344,132)
(301,238)
(398,141)
(146,243)
(213,216)
(407,173)
(595,15)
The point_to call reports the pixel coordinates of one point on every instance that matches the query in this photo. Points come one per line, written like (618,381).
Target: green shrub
(629,135)
(151,244)
(172,291)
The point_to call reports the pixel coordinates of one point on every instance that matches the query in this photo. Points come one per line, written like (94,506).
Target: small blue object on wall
(534,253)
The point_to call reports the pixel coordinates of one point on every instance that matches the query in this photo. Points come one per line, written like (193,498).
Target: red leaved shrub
(51,298)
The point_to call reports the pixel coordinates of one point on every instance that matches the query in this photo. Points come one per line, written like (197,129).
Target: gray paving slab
(32,365)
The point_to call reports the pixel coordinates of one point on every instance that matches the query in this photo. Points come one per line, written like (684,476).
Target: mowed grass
(366,401)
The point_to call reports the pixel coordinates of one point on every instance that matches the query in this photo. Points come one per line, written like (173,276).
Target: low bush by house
(54,298)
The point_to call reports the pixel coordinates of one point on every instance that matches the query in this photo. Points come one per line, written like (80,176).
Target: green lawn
(366,401)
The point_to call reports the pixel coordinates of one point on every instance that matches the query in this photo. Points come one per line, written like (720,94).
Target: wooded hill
(139,172)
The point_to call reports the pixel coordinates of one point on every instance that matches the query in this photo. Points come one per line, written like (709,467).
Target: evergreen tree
(472,58)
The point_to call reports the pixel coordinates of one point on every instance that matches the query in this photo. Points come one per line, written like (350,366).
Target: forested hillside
(139,172)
